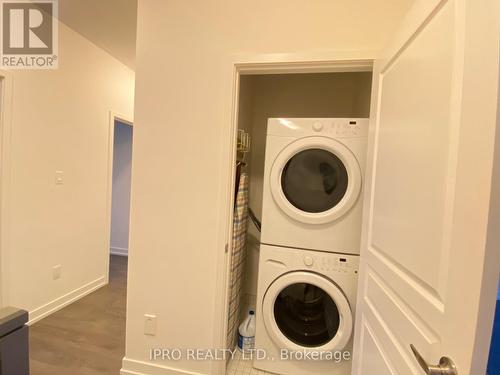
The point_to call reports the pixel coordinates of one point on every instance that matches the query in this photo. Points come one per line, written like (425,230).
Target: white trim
(120,251)
(340,66)
(244,65)
(134,367)
(113,116)
(5,177)
(67,299)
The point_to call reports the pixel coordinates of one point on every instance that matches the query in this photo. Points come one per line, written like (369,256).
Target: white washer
(313,178)
(305,307)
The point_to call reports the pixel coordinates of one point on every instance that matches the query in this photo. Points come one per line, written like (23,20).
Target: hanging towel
(237,257)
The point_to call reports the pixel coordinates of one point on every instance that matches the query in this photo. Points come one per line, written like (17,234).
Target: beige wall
(291,95)
(185,56)
(60,122)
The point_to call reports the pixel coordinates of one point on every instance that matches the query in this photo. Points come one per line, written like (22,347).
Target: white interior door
(429,266)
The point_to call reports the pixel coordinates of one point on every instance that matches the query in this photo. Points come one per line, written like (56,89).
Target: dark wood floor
(87,337)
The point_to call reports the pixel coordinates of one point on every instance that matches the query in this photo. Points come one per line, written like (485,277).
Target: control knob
(317,126)
(308,261)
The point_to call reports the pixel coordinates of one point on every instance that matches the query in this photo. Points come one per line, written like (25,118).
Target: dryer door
(304,311)
(315,180)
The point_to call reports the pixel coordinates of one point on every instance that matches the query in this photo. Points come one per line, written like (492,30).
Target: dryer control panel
(348,128)
(306,127)
(341,128)
(332,263)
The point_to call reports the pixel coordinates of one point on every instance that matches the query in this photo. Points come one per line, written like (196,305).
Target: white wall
(185,56)
(122,173)
(60,122)
(290,95)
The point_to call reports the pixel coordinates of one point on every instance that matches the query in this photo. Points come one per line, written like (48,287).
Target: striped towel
(237,258)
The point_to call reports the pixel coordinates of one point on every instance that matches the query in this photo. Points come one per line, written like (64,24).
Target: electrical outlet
(56,272)
(150,325)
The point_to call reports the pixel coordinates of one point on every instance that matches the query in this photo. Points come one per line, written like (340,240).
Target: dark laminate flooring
(87,337)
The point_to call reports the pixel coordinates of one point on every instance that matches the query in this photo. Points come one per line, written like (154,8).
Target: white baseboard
(67,299)
(120,251)
(134,367)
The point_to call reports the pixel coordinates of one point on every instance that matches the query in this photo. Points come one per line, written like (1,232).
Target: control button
(308,261)
(317,126)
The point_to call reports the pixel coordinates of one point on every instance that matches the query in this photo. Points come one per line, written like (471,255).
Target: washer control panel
(332,263)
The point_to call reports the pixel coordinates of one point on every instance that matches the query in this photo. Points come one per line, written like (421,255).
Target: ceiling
(109,24)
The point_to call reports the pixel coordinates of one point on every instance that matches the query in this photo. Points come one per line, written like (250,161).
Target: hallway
(88,336)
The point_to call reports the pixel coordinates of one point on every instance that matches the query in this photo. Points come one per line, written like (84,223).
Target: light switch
(56,272)
(149,324)
(59,177)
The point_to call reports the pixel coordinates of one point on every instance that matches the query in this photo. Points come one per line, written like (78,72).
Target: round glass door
(314,180)
(306,315)
(306,311)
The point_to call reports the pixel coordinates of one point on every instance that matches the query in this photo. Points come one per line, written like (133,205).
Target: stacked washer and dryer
(309,256)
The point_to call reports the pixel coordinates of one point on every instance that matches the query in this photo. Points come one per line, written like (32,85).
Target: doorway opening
(121,181)
(119,187)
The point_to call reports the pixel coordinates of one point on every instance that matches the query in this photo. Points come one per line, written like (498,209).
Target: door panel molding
(421,140)
(377,358)
(413,291)
(399,357)
(402,315)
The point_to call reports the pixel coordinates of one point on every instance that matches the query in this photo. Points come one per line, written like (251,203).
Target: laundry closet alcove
(261,97)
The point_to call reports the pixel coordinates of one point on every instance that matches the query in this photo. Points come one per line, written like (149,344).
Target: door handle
(446,365)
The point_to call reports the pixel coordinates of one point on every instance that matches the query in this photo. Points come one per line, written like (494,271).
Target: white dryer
(312,183)
(305,311)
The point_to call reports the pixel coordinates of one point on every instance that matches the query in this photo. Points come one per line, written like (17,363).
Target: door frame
(260,66)
(6,94)
(113,116)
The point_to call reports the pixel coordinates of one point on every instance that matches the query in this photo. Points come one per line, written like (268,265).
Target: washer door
(305,311)
(315,180)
